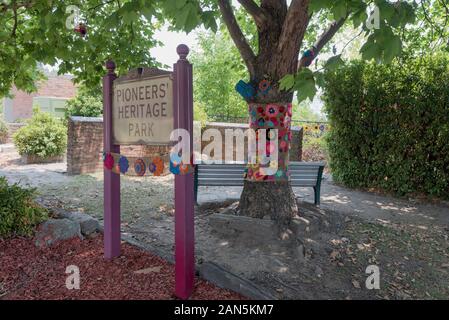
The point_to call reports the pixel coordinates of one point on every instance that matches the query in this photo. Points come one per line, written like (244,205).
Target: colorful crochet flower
(175,158)
(139,167)
(159,166)
(279,173)
(264,86)
(259,176)
(123,164)
(109,161)
(281,109)
(184,168)
(283,146)
(174,168)
(274,120)
(272,110)
(289,110)
(282,133)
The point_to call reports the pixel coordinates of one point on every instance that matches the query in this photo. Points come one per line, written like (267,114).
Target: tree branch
(16,5)
(295,24)
(237,35)
(325,38)
(255,11)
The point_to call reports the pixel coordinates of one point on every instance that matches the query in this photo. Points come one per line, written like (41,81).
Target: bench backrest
(301,174)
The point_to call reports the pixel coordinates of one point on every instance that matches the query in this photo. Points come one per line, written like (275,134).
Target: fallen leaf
(148,270)
(334,254)
(356,284)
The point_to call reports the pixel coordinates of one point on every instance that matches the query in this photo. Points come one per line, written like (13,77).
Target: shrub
(85,104)
(44,136)
(18,212)
(390,125)
(3,131)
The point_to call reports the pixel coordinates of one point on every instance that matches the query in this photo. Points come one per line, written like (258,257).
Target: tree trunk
(273,198)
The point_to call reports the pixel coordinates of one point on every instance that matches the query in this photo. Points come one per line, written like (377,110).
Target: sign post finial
(182,51)
(110,66)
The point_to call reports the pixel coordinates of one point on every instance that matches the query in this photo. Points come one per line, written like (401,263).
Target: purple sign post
(184,207)
(112,236)
(184,204)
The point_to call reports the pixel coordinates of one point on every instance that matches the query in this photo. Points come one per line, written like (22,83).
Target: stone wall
(85,144)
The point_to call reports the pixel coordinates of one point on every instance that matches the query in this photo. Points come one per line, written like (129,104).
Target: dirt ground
(406,239)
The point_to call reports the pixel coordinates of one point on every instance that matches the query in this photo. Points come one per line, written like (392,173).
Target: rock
(54,230)
(88,224)
(318,272)
(301,253)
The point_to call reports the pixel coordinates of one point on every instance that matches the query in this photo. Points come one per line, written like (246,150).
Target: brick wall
(85,144)
(21,105)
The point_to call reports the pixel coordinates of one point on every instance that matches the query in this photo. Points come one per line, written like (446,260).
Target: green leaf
(392,49)
(334,62)
(287,82)
(180,3)
(371,50)
(359,18)
(305,85)
(339,10)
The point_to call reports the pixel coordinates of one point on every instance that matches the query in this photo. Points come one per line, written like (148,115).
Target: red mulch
(27,272)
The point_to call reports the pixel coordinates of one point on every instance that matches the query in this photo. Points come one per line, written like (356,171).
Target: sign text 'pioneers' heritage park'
(143,110)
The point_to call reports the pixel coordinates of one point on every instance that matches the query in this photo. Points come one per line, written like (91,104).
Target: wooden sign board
(142,108)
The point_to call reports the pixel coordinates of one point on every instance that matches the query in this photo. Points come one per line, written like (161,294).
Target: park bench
(302,174)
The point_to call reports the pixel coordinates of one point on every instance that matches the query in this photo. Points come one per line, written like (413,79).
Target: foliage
(382,44)
(218,67)
(44,32)
(18,212)
(43,136)
(432,32)
(3,131)
(124,31)
(305,112)
(390,125)
(85,104)
(199,114)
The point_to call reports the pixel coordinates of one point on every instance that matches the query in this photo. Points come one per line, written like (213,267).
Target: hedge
(390,125)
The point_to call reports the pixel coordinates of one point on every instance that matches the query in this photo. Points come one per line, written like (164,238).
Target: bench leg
(317,195)
(195,185)
(195,193)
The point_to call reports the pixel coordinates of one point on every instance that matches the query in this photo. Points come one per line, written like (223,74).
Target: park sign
(163,101)
(142,108)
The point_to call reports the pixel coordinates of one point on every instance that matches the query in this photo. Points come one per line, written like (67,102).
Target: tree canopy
(34,32)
